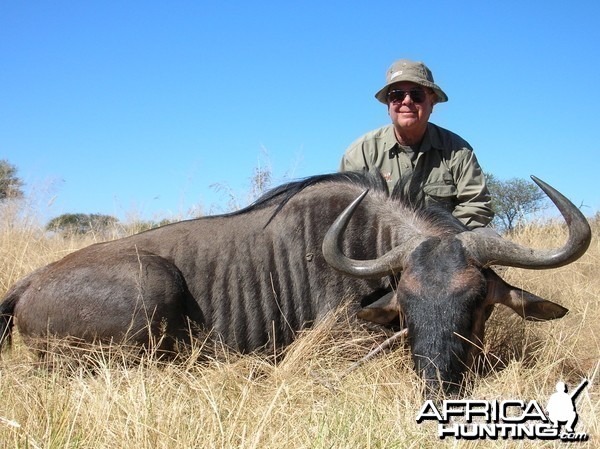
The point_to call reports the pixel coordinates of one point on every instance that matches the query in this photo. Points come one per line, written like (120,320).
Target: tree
(70,224)
(513,200)
(10,184)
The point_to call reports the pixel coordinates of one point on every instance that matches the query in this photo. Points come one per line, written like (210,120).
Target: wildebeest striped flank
(255,277)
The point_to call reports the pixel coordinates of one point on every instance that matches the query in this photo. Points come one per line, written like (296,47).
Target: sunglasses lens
(417,95)
(397,96)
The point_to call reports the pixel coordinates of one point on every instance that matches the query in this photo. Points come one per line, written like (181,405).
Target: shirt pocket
(441,194)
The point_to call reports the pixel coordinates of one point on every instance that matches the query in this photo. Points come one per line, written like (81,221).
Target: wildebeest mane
(280,195)
(368,180)
(409,192)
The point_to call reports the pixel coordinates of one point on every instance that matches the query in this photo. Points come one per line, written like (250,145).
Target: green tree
(513,200)
(10,183)
(70,224)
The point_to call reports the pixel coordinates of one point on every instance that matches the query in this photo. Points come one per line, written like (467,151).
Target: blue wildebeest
(255,277)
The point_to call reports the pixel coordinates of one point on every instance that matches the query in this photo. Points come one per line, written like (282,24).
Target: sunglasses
(398,95)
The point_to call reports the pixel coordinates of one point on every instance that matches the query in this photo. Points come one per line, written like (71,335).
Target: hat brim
(381,95)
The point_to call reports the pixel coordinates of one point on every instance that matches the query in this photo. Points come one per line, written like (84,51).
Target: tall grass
(298,401)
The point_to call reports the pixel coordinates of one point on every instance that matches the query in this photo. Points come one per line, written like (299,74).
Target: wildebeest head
(445,289)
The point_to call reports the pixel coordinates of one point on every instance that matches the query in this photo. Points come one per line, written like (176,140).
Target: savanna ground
(301,400)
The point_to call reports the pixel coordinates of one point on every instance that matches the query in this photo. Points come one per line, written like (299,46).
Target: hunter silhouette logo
(512,419)
(561,406)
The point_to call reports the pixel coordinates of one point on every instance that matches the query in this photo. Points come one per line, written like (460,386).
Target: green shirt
(443,167)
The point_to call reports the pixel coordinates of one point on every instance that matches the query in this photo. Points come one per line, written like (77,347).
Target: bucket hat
(415,72)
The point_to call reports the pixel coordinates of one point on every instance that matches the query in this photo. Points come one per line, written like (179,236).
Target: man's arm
(353,159)
(474,201)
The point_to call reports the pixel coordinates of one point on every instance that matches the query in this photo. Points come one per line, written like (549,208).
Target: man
(427,163)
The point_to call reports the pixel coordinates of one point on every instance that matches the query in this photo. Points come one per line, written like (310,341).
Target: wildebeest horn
(385,265)
(497,251)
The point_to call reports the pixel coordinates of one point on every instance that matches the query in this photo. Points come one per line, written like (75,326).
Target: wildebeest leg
(134,298)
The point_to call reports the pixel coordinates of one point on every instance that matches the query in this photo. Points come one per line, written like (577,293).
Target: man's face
(408,113)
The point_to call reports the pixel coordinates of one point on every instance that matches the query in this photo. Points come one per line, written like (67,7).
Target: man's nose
(407,98)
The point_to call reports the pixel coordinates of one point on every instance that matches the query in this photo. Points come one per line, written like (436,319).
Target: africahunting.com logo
(511,419)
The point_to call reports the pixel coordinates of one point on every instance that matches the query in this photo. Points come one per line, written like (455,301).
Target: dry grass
(301,400)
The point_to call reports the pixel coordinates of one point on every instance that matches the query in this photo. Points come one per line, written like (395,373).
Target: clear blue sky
(139,107)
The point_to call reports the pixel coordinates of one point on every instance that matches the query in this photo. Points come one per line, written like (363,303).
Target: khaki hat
(414,72)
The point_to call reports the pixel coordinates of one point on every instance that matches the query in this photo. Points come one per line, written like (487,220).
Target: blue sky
(143,107)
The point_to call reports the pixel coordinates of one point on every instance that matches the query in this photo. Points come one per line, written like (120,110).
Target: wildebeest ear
(383,311)
(525,304)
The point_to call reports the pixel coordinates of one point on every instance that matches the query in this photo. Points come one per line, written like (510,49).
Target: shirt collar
(431,139)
